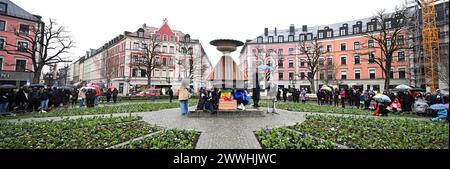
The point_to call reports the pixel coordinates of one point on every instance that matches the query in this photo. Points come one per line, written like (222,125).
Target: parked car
(150,92)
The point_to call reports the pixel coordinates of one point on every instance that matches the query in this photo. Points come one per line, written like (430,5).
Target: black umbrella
(7,86)
(36,85)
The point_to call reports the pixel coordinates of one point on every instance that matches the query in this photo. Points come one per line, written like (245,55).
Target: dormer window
(388,24)
(356,30)
(302,37)
(3,7)
(320,35)
(329,34)
(343,32)
(259,40)
(370,28)
(141,33)
(280,39)
(270,39)
(291,38)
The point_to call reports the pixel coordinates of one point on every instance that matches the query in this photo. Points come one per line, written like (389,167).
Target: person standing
(183,97)
(256,96)
(44,100)
(108,95)
(336,97)
(303,96)
(74,97)
(4,100)
(115,93)
(34,99)
(170,91)
(342,94)
(285,95)
(82,97)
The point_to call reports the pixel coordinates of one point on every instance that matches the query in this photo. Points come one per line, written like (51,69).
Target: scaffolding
(430,44)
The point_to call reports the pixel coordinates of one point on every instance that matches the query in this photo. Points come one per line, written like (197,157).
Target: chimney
(305,28)
(292,29)
(266,31)
(275,31)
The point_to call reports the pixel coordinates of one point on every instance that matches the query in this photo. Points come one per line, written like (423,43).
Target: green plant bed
(280,138)
(95,133)
(371,133)
(169,139)
(131,108)
(314,108)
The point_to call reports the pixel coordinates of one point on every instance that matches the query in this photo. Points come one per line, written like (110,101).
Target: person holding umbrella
(442,111)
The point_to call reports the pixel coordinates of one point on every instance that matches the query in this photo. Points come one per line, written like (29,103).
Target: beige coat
(183,93)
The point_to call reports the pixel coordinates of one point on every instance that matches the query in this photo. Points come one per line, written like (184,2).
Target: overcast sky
(94,22)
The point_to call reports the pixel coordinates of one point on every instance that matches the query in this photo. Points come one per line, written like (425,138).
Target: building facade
(16,67)
(116,62)
(346,60)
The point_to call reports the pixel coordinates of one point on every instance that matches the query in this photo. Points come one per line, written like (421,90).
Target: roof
(16,11)
(335,27)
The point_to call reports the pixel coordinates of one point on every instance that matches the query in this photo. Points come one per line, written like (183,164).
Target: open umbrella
(7,86)
(438,106)
(264,67)
(87,88)
(326,88)
(402,86)
(382,98)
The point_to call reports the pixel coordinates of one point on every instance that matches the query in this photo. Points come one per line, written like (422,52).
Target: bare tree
(330,71)
(443,73)
(313,51)
(389,36)
(47,44)
(109,69)
(150,49)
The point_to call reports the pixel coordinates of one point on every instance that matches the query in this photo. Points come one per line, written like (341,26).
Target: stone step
(228,113)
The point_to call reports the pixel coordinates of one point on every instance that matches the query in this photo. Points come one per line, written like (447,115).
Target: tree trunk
(313,86)
(387,79)
(149,82)
(37,75)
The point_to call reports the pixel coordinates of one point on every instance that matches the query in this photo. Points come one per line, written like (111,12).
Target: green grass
(169,139)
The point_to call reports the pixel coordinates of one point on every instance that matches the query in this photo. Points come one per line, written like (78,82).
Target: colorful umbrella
(438,107)
(402,86)
(327,88)
(382,98)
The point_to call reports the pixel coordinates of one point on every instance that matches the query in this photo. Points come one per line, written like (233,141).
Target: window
(1,63)
(280,63)
(172,38)
(372,74)
(370,28)
(2,25)
(388,41)
(343,74)
(329,34)
(400,40)
(134,73)
(259,40)
(401,73)
(165,38)
(270,39)
(171,61)
(280,52)
(322,75)
(270,52)
(401,56)
(143,73)
(330,74)
(22,46)
(3,7)
(164,49)
(291,63)
(291,38)
(140,34)
(372,57)
(321,49)
(320,35)
(357,74)
(157,60)
(291,51)
(309,36)
(136,59)
(24,29)
(321,61)
(280,76)
(330,61)
(2,44)
(164,61)
(329,48)
(21,65)
(172,49)
(388,24)
(343,60)
(280,39)
(302,75)
(135,46)
(357,60)
(356,30)
(343,32)
(370,43)
(308,49)
(291,75)
(302,37)
(356,45)
(302,63)
(343,47)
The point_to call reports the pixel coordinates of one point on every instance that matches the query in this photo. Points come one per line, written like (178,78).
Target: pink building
(345,63)
(16,65)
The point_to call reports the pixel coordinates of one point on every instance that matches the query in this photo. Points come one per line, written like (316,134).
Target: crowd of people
(400,101)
